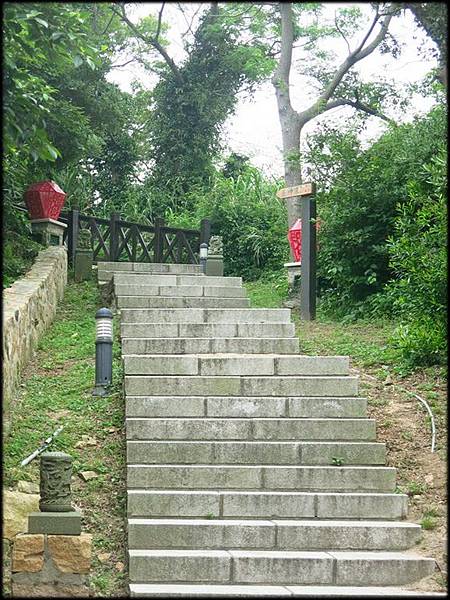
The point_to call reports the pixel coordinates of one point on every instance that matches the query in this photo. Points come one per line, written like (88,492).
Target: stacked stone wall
(29,306)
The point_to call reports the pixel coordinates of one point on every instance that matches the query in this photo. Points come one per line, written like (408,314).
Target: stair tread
(259,591)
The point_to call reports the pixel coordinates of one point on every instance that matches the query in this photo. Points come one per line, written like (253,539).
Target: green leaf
(77,60)
(42,22)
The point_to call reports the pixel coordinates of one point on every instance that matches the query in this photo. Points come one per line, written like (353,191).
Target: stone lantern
(44,201)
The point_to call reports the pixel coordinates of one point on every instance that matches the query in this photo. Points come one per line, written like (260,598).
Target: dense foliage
(191,103)
(358,207)
(418,258)
(246,213)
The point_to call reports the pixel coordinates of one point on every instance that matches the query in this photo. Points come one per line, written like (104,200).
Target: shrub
(418,257)
(249,217)
(359,205)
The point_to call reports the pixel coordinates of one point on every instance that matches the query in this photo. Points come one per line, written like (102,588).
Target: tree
(192,100)
(432,17)
(338,87)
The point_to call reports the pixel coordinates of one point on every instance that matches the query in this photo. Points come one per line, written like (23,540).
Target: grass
(57,390)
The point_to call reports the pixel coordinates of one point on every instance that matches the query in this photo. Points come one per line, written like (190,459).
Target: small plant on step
(210,516)
(337,461)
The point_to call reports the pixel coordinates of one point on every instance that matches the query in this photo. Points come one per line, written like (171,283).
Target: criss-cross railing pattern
(116,239)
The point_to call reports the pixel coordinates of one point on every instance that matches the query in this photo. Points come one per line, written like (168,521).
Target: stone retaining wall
(29,307)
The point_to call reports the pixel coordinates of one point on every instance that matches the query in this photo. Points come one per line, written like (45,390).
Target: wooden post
(114,236)
(308,266)
(72,234)
(205,231)
(158,240)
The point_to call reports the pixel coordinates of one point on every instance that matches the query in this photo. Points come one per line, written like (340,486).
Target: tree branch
(158,29)
(355,57)
(341,32)
(359,106)
(151,41)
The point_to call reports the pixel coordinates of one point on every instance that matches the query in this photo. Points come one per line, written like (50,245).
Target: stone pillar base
(83,265)
(48,231)
(214,265)
(51,566)
(293,273)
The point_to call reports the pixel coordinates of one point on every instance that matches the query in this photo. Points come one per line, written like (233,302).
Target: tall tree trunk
(289,121)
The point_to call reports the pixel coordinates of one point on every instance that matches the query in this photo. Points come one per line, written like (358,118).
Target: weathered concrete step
(247,453)
(249,429)
(145,385)
(180,302)
(259,477)
(235,364)
(132,279)
(266,505)
(207,330)
(254,534)
(244,407)
(205,315)
(278,567)
(140,267)
(209,291)
(196,345)
(148,590)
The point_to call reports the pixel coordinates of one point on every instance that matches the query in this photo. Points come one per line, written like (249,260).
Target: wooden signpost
(306,194)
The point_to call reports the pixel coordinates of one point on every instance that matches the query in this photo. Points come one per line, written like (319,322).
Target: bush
(358,208)
(418,257)
(249,217)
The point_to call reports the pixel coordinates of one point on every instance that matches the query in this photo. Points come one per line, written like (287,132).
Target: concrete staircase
(253,471)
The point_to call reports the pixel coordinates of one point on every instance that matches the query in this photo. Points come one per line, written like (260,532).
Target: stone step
(173,590)
(132,279)
(207,330)
(253,453)
(141,267)
(259,477)
(205,315)
(144,385)
(180,302)
(244,407)
(138,428)
(181,290)
(277,567)
(266,505)
(235,364)
(223,534)
(195,345)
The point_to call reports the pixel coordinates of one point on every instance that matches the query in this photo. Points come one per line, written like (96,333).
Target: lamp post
(203,256)
(103,351)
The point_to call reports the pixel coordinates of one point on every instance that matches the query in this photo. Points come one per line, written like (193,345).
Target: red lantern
(295,239)
(44,200)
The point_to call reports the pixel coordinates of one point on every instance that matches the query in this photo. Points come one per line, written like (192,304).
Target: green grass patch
(56,389)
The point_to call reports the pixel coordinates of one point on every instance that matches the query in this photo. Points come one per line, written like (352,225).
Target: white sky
(254,129)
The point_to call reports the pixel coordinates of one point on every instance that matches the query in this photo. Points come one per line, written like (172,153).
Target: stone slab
(179,565)
(173,503)
(144,385)
(63,523)
(245,429)
(271,567)
(379,568)
(207,591)
(200,533)
(180,302)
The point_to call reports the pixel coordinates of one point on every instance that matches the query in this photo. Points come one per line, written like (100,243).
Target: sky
(254,129)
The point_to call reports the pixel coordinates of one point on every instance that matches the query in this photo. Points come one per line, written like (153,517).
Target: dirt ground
(403,424)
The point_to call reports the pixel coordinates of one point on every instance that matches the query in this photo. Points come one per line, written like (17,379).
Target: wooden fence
(115,239)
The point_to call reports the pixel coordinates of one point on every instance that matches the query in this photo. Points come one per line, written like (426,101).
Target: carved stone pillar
(56,473)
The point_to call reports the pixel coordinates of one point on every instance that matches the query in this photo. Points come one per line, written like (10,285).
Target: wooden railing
(115,239)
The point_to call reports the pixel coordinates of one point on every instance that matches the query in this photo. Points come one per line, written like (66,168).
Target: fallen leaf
(87,475)
(119,566)
(104,557)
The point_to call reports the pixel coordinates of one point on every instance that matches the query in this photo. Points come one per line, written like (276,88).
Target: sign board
(307,189)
